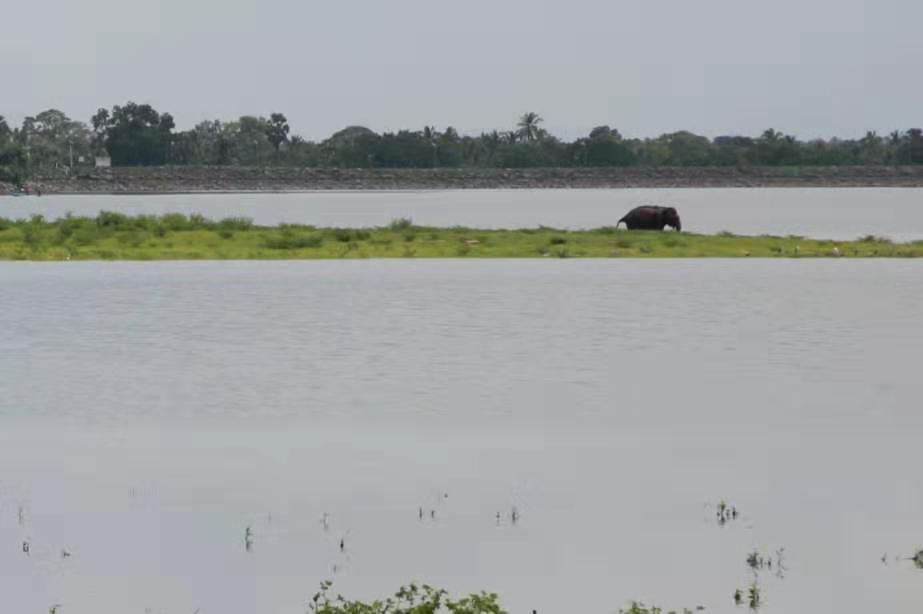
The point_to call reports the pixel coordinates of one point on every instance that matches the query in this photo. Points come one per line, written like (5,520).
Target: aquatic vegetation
(754,596)
(638,607)
(918,559)
(411,599)
(725,512)
(174,236)
(758,562)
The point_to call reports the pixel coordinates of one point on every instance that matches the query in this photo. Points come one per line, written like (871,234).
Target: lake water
(150,413)
(825,213)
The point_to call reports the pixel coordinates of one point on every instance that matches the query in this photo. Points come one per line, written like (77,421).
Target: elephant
(651,218)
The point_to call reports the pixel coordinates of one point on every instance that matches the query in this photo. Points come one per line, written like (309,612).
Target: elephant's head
(671,218)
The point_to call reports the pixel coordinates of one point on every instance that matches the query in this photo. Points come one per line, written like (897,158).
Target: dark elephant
(651,218)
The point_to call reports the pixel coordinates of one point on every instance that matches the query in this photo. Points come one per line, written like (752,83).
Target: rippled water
(825,213)
(151,412)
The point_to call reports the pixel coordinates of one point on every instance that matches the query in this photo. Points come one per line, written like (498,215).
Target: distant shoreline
(229,180)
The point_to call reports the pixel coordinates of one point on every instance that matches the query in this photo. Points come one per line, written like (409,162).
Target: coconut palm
(528,126)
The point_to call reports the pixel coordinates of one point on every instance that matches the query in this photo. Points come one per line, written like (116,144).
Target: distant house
(103,161)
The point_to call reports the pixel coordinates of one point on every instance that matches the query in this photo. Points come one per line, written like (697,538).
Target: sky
(812,68)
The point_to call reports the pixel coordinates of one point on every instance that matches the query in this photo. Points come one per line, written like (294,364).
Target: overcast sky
(807,67)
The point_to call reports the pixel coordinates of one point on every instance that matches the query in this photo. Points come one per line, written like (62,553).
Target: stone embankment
(179,179)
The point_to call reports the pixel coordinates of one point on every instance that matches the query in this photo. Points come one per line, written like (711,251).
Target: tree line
(138,135)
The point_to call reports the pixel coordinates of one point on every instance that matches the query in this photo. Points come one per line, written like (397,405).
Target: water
(151,412)
(824,213)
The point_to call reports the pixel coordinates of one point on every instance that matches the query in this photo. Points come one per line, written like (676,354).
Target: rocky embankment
(247,179)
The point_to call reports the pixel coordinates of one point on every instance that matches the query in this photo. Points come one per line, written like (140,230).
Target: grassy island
(115,236)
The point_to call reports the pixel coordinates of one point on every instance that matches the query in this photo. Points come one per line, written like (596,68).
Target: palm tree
(894,146)
(528,126)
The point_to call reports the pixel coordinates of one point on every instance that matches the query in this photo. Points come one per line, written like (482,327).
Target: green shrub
(197,221)
(68,225)
(290,241)
(85,235)
(345,235)
(235,223)
(113,220)
(558,240)
(134,238)
(874,239)
(175,222)
(402,223)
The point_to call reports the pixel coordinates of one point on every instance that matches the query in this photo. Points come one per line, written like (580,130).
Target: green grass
(115,236)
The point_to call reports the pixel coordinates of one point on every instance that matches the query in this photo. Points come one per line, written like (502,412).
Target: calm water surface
(815,212)
(150,412)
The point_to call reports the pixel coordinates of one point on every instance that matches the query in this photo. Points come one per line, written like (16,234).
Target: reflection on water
(551,431)
(827,213)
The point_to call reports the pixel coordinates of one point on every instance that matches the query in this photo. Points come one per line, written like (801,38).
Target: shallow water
(151,412)
(826,213)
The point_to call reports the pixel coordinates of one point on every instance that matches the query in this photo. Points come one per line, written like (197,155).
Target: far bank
(195,179)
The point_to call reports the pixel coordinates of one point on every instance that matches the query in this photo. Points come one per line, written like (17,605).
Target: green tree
(351,147)
(872,149)
(277,130)
(528,127)
(53,140)
(12,155)
(135,135)
(915,146)
(247,141)
(603,147)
